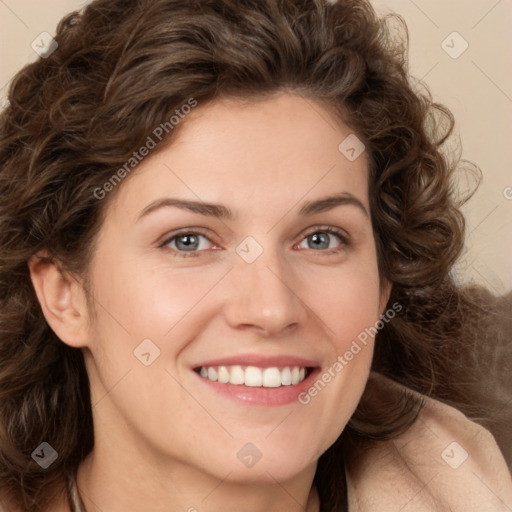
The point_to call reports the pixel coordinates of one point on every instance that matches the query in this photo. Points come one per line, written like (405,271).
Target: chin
(266,464)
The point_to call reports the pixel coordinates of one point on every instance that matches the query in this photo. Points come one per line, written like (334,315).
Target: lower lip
(269,397)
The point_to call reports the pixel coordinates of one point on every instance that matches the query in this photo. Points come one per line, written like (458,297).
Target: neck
(105,482)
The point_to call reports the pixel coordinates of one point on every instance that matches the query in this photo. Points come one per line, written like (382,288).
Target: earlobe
(385,294)
(62,300)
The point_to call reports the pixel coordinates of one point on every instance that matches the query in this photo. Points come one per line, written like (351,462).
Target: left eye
(188,242)
(322,240)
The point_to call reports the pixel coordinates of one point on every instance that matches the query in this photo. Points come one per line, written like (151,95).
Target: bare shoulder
(443,462)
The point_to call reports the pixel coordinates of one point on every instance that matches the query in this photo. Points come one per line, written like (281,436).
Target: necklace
(75,502)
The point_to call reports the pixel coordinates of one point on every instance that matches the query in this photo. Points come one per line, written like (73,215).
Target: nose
(264,297)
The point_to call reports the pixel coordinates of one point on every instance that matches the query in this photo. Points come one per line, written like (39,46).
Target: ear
(385,293)
(62,299)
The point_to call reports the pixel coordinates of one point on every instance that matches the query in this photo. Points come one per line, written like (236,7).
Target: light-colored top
(443,463)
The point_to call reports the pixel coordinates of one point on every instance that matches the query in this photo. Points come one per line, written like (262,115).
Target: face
(234,269)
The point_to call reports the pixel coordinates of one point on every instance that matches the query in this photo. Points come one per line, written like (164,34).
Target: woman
(226,241)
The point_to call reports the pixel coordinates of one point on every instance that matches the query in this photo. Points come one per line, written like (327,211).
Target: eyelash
(344,239)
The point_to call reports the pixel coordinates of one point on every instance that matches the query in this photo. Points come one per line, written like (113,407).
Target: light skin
(164,441)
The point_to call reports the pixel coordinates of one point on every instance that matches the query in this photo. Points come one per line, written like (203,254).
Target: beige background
(476,86)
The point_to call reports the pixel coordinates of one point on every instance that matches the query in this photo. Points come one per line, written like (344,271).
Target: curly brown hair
(121,68)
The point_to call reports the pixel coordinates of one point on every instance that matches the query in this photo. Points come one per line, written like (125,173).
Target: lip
(259,361)
(261,396)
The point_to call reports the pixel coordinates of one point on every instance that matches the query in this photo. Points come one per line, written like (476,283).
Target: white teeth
(271,378)
(223,374)
(212,373)
(295,375)
(236,375)
(253,376)
(286,377)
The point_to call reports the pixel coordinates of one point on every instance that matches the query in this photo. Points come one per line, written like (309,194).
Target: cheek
(357,309)
(347,299)
(150,302)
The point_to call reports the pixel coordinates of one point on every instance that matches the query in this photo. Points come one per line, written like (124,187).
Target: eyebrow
(222,212)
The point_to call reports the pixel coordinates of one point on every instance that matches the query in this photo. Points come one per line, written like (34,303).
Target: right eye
(190,242)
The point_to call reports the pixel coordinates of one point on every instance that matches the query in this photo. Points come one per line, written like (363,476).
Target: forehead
(266,152)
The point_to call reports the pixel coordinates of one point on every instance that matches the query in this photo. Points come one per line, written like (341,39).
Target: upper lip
(260,361)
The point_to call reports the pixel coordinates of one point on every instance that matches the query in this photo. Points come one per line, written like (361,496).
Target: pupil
(188,241)
(320,239)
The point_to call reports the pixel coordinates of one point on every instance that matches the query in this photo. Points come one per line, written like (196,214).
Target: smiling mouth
(254,376)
